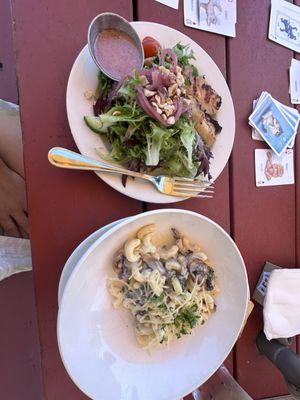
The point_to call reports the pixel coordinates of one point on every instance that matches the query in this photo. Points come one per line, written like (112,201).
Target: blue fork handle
(64,158)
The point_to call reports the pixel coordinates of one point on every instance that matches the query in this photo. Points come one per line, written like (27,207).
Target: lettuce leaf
(157,149)
(156,138)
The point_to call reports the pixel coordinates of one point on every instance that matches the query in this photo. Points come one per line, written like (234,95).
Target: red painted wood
(51,192)
(20,364)
(20,368)
(263,218)
(8,80)
(64,206)
(297,174)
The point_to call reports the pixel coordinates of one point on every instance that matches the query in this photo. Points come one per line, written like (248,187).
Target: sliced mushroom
(176,234)
(121,268)
(182,281)
(166,254)
(119,260)
(183,261)
(154,264)
(210,280)
(198,269)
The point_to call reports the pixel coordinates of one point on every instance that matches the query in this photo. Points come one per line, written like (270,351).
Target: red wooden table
(264,222)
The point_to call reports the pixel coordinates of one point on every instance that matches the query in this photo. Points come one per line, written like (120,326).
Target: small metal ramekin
(112,21)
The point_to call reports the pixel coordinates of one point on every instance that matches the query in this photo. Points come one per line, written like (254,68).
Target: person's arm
(13,209)
(11,146)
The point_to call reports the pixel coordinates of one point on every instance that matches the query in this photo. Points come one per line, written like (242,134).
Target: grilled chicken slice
(205,125)
(206,96)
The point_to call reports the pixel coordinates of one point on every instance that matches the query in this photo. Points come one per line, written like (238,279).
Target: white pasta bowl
(97,342)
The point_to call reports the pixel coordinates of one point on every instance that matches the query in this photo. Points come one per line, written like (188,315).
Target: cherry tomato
(150,46)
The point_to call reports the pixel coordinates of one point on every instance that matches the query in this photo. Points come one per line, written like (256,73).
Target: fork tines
(192,188)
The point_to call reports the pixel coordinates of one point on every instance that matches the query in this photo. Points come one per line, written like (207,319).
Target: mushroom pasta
(168,290)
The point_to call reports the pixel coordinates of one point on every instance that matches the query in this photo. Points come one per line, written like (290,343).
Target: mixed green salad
(149,117)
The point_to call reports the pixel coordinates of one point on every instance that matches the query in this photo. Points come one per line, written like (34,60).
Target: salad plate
(84,78)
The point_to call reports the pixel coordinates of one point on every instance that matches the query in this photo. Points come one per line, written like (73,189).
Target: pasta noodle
(168,291)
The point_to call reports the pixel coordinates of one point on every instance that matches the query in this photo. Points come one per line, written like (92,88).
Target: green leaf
(187,137)
(184,54)
(157,299)
(156,138)
(104,85)
(127,90)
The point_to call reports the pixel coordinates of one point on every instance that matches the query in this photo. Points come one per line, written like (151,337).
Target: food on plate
(151,46)
(169,290)
(160,119)
(206,126)
(110,46)
(209,101)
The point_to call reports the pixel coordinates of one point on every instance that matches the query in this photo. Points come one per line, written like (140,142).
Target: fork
(181,187)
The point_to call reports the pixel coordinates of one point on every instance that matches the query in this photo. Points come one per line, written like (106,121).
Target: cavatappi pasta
(168,290)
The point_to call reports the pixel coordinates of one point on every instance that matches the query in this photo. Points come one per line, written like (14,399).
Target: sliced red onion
(186,108)
(98,106)
(114,91)
(104,102)
(170,53)
(178,108)
(157,79)
(147,73)
(173,69)
(147,107)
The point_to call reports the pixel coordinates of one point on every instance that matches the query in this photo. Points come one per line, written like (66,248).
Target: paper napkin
(15,256)
(281,306)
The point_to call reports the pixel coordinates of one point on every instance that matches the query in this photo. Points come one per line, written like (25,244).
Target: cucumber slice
(94,123)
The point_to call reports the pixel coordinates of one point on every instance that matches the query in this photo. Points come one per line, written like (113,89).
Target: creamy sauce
(117,53)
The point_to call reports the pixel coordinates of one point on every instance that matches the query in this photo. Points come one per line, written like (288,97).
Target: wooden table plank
(263,218)
(297,175)
(64,206)
(45,125)
(20,364)
(8,80)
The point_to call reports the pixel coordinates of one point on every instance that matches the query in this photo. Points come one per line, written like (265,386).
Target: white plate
(83,77)
(78,253)
(97,343)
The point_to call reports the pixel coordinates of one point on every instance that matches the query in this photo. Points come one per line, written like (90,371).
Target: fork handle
(64,158)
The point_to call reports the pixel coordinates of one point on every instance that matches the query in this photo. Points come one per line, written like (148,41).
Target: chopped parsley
(157,299)
(186,320)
